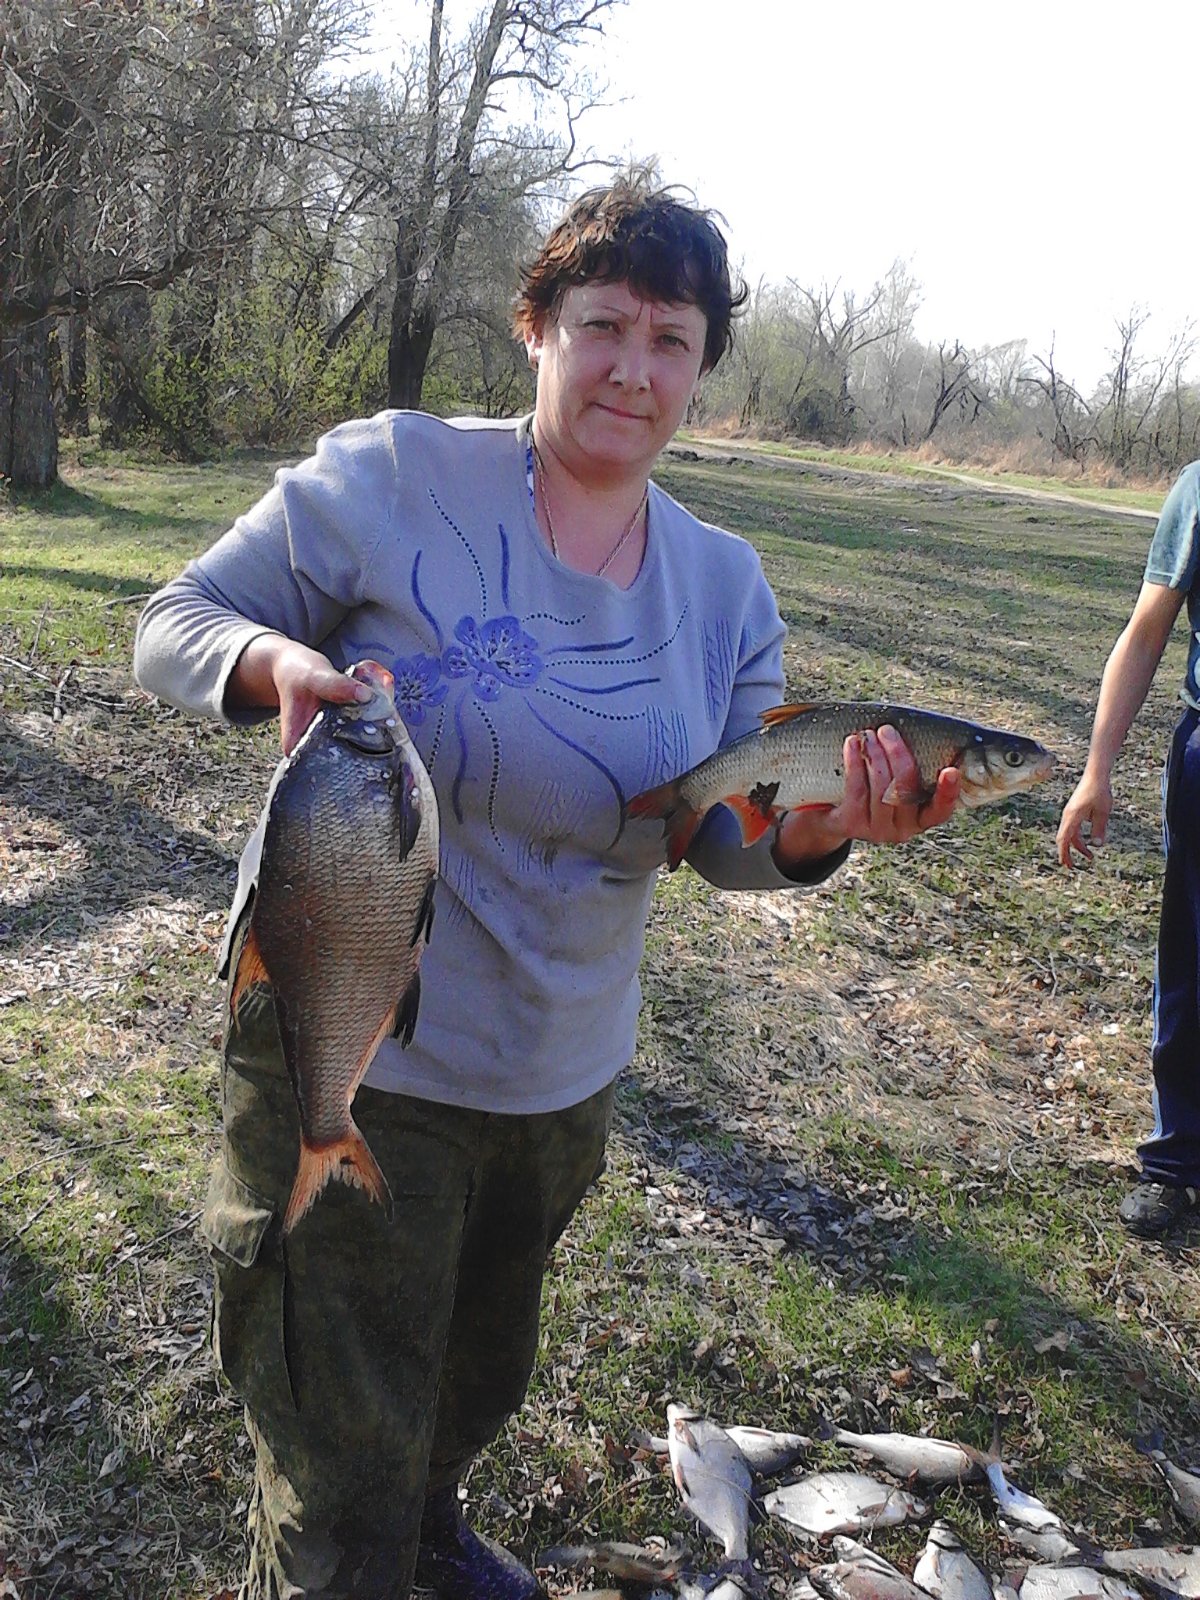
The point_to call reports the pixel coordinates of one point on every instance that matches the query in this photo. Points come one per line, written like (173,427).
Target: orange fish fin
(753,818)
(250,970)
(777,714)
(349,1160)
(681,820)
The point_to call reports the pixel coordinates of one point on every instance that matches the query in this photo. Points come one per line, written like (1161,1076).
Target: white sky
(1034,160)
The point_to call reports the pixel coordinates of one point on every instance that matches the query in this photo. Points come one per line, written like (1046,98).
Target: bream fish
(946,1569)
(712,1477)
(340,916)
(860,1574)
(1176,1570)
(766,1451)
(826,1503)
(1184,1486)
(935,1461)
(794,762)
(1073,1583)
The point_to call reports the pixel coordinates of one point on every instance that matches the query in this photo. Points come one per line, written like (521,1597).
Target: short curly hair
(632,232)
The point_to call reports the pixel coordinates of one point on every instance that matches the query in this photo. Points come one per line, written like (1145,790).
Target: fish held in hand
(794,762)
(341,914)
(826,1503)
(712,1477)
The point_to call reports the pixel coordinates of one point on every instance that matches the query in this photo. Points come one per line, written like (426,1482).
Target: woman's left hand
(873,762)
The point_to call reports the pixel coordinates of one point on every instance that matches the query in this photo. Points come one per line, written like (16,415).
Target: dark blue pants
(1172,1152)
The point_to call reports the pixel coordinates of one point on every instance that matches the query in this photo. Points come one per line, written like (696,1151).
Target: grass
(868,1155)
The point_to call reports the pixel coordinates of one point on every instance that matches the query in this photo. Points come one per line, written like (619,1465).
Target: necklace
(620,544)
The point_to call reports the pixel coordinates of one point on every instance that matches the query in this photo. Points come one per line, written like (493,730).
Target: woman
(562,635)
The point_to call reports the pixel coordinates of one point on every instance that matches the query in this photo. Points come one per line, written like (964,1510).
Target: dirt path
(711,449)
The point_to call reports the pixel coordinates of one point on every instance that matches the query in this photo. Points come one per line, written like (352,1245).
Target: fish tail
(349,1160)
(679,818)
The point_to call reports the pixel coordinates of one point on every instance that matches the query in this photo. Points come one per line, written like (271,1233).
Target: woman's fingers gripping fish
(340,917)
(794,762)
(712,1477)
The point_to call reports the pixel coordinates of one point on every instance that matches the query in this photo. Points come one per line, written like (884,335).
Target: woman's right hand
(1090,805)
(275,671)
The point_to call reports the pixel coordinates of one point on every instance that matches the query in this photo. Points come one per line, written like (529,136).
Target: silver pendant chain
(620,544)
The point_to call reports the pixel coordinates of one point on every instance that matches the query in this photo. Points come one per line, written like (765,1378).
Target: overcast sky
(1035,162)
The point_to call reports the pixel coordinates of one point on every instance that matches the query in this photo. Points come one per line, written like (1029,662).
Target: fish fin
(349,1160)
(405,1017)
(250,970)
(755,815)
(681,820)
(424,925)
(772,717)
(905,795)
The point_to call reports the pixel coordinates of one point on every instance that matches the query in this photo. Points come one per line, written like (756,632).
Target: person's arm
(1127,677)
(273,671)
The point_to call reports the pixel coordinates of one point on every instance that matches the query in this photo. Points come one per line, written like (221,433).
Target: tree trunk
(28,431)
(72,334)
(408,356)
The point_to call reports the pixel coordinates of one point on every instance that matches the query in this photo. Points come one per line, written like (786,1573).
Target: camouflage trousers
(376,1358)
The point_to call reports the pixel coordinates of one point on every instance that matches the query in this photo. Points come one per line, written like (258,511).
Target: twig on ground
(189,1221)
(59,689)
(127,599)
(37,632)
(59,1155)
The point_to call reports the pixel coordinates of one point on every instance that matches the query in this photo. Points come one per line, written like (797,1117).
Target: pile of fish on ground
(715,1469)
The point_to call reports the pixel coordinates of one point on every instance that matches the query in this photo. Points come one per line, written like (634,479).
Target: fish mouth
(371,672)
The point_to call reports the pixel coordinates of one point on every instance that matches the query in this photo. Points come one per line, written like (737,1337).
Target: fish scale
(795,761)
(339,919)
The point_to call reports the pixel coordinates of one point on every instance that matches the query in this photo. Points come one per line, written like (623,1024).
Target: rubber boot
(463,1565)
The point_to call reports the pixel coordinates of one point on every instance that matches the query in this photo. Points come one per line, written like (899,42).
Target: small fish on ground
(794,762)
(947,1570)
(826,1503)
(766,1451)
(1184,1486)
(1017,1506)
(712,1477)
(934,1461)
(339,919)
(1175,1569)
(1073,1583)
(1052,1543)
(628,1563)
(861,1574)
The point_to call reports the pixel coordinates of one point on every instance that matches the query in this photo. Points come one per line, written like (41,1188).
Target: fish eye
(1014,758)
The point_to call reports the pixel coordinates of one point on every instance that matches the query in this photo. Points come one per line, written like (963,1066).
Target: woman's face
(615,376)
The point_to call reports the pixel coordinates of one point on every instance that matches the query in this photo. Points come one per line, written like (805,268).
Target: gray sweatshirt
(540,699)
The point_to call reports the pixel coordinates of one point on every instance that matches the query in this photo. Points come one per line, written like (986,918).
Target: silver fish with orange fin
(340,916)
(794,762)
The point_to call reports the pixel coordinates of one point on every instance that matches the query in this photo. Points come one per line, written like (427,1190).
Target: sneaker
(461,1564)
(1150,1209)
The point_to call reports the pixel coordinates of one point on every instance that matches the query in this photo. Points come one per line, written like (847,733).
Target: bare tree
(521,46)
(1072,429)
(137,143)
